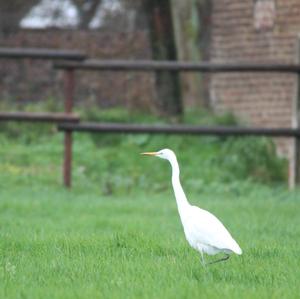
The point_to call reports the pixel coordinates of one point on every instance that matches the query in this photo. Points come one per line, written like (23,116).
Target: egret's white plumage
(203,231)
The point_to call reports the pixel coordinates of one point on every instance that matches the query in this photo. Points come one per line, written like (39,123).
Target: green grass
(117,233)
(76,244)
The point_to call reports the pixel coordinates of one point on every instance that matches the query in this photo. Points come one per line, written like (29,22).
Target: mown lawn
(69,244)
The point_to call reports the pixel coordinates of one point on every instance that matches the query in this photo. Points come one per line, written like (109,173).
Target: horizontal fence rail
(39,117)
(178,129)
(40,53)
(183,66)
(71,60)
(174,66)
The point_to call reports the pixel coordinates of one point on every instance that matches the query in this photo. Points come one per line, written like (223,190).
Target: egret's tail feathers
(236,248)
(238,251)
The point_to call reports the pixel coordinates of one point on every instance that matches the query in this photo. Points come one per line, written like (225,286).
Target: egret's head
(166,154)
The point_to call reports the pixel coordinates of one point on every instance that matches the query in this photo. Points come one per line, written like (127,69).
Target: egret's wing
(208,229)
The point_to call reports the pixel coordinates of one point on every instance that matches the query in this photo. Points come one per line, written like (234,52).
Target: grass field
(60,244)
(117,233)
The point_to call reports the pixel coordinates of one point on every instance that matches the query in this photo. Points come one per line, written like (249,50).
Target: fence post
(294,177)
(68,94)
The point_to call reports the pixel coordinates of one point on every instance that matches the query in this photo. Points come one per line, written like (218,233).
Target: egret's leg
(226,257)
(202,259)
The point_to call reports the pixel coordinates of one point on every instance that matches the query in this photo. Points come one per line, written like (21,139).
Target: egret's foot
(225,258)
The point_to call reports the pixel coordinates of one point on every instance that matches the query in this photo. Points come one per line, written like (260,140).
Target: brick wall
(256,31)
(35,80)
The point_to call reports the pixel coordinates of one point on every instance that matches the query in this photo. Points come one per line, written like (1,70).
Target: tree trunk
(164,48)
(86,12)
(190,18)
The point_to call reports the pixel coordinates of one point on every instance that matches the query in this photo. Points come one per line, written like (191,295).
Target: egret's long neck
(181,199)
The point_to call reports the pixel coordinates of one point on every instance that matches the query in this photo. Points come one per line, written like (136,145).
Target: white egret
(203,231)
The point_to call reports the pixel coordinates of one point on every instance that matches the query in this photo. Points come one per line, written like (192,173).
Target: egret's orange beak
(149,154)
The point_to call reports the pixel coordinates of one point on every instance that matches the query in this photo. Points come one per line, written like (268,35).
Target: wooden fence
(68,122)
(173,66)
(67,116)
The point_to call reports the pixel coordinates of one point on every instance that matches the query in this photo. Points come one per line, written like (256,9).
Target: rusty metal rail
(75,60)
(180,66)
(39,117)
(174,66)
(177,129)
(41,53)
(67,116)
